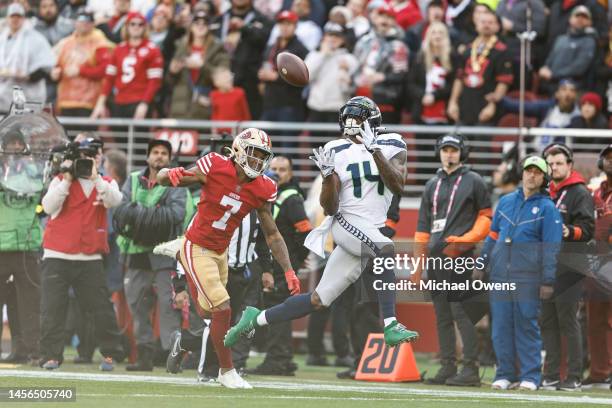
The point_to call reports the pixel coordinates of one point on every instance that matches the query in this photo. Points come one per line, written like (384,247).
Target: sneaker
(313,360)
(231,379)
(176,354)
(396,333)
(550,384)
(501,384)
(445,372)
(244,327)
(169,248)
(527,386)
(570,384)
(51,365)
(590,383)
(107,364)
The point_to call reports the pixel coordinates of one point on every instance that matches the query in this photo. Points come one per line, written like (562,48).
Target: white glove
(368,137)
(324,160)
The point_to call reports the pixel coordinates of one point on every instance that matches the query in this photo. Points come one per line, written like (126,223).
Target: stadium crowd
(441,62)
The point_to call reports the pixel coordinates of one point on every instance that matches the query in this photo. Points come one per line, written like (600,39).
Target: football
(292,69)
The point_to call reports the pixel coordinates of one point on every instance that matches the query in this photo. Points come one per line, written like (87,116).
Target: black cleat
(176,354)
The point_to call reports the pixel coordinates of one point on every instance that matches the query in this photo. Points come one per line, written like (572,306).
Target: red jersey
(224,203)
(135,73)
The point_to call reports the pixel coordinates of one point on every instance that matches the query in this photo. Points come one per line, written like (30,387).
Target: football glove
(324,160)
(368,137)
(293,283)
(176,174)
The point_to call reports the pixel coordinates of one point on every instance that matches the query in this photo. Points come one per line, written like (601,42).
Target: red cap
(386,9)
(592,98)
(287,15)
(134,15)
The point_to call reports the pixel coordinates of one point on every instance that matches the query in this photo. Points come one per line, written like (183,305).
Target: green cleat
(246,326)
(396,333)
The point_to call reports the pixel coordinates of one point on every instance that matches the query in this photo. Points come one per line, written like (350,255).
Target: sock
(386,298)
(219,326)
(389,320)
(261,319)
(292,308)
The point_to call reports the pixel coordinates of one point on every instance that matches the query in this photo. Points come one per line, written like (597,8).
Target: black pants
(560,318)
(8,297)
(89,283)
(123,111)
(25,270)
(364,317)
(244,288)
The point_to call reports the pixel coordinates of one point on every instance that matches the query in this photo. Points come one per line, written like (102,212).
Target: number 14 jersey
(362,192)
(224,203)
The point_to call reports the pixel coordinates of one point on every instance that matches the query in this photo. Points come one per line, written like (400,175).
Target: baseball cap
(333,28)
(287,15)
(159,142)
(605,150)
(135,15)
(450,140)
(536,161)
(567,82)
(375,4)
(386,9)
(200,15)
(581,10)
(15,9)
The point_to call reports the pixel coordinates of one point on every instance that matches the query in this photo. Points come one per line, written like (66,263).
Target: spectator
(318,10)
(555,113)
(190,71)
(148,275)
(173,7)
(560,14)
(383,64)
(506,177)
(522,250)
(331,68)
(134,73)
(72,8)
(74,241)
(513,15)
(227,101)
(416,34)
(282,102)
(599,299)
(269,8)
(358,22)
(559,317)
(26,59)
(160,25)
(81,63)
(20,242)
(114,26)
(483,76)
(407,13)
(50,24)
(590,117)
(432,75)
(307,31)
(573,53)
(244,32)
(460,21)
(342,16)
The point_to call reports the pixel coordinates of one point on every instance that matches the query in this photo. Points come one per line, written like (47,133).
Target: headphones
(601,156)
(561,146)
(457,138)
(547,177)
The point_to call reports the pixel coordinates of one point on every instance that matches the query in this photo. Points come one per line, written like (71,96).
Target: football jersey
(134,72)
(224,202)
(362,192)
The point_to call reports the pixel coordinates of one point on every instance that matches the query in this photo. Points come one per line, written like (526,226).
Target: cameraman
(149,214)
(74,241)
(20,239)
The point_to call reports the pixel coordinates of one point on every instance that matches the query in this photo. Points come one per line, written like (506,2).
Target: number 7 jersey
(224,203)
(362,192)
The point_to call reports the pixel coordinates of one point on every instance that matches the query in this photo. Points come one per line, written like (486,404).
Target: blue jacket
(525,239)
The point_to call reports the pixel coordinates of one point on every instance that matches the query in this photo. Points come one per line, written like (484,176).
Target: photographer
(149,214)
(20,239)
(74,241)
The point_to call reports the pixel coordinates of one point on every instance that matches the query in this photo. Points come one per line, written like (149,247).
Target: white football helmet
(243,151)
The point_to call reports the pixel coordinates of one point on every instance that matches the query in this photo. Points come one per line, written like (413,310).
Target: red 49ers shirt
(224,202)
(134,72)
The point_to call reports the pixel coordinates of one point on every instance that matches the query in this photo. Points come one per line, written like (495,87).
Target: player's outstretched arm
(277,246)
(330,194)
(179,177)
(392,172)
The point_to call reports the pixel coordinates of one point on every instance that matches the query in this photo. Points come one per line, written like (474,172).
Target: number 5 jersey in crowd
(224,202)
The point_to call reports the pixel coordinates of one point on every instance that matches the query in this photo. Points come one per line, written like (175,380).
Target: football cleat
(245,326)
(176,354)
(396,333)
(231,379)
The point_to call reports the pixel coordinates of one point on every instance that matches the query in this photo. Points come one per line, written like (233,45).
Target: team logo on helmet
(244,149)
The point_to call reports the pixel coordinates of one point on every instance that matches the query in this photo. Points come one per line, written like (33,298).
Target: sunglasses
(137,24)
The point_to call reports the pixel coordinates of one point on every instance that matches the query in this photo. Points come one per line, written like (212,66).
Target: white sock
(261,319)
(389,320)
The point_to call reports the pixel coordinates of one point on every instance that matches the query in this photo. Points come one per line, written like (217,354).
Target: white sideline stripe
(306,385)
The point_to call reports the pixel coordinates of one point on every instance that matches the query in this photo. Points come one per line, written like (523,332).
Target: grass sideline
(311,387)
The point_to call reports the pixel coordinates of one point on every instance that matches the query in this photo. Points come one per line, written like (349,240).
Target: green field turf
(311,387)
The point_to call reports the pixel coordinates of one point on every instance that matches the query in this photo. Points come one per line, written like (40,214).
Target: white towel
(315,241)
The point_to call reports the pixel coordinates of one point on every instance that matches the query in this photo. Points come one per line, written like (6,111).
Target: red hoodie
(574,178)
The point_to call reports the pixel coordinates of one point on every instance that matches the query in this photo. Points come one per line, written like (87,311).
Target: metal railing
(297,140)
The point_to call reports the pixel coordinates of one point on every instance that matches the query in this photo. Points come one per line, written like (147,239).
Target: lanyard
(561,199)
(450,201)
